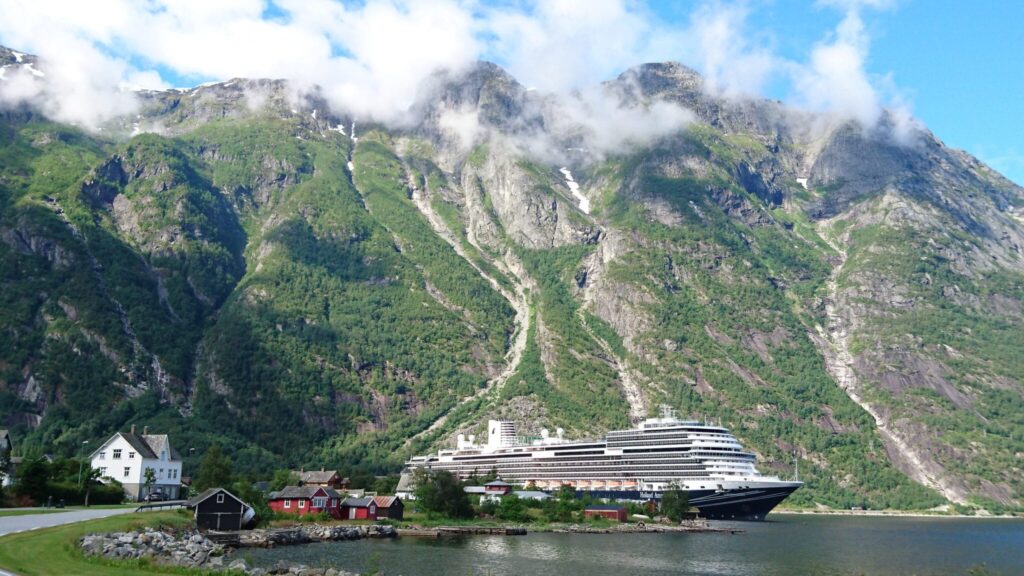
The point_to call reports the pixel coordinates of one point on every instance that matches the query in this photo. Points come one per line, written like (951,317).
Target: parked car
(156,497)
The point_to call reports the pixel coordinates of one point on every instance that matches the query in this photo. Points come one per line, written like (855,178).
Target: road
(12,524)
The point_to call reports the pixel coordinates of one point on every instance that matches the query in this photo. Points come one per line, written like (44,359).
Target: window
(103,455)
(131,455)
(117,453)
(220,498)
(334,502)
(161,472)
(319,502)
(287,503)
(302,503)
(163,455)
(127,470)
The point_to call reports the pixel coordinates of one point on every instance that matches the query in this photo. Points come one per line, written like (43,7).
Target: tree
(561,507)
(32,479)
(282,478)
(675,503)
(214,470)
(440,495)
(512,509)
(149,478)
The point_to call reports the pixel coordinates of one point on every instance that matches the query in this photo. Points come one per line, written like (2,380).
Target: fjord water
(784,546)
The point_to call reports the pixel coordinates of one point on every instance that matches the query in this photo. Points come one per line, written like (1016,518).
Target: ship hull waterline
(748,504)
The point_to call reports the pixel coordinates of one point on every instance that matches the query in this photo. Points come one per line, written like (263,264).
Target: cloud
(732,64)
(371,58)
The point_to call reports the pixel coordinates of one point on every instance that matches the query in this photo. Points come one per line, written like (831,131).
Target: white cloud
(370,58)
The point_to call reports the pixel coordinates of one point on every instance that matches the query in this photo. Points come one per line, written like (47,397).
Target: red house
(306,500)
(359,508)
(609,511)
(497,488)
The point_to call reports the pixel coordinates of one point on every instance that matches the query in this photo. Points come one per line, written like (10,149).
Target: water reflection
(791,545)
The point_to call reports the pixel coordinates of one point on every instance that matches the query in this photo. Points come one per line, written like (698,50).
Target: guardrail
(161,505)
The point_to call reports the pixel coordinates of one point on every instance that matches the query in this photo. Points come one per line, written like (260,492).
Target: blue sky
(959,63)
(956,66)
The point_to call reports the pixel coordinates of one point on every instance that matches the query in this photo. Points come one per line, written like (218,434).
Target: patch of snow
(18,56)
(314,114)
(340,129)
(3,73)
(802,182)
(36,73)
(226,84)
(574,187)
(351,166)
(294,111)
(136,129)
(353,131)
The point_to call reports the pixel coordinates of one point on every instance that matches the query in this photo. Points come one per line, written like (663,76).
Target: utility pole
(80,462)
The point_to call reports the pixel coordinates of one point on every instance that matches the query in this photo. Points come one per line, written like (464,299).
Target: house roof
(475,489)
(206,494)
(315,476)
(358,502)
(385,501)
(148,445)
(305,492)
(497,484)
(605,507)
(531,494)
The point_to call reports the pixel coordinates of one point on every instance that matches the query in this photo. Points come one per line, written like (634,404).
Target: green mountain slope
(265,279)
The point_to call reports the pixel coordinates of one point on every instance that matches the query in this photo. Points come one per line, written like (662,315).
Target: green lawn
(55,551)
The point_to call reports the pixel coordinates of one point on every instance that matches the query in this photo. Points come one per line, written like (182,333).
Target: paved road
(12,524)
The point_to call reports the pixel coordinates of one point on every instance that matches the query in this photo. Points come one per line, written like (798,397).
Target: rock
(240,565)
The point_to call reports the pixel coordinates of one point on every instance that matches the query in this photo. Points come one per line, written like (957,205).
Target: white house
(126,456)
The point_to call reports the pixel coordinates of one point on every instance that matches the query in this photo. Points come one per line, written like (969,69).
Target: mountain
(234,264)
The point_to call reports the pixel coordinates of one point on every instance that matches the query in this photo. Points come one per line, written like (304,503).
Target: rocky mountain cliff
(238,264)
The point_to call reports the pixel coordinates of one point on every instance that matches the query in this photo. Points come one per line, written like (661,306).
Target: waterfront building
(304,500)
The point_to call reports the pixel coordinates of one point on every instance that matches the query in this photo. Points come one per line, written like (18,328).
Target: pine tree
(214,470)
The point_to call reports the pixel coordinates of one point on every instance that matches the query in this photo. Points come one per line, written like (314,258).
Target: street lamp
(80,461)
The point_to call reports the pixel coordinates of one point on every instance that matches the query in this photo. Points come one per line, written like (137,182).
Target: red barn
(609,511)
(359,508)
(306,500)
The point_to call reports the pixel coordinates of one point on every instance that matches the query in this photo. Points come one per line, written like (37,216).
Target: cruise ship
(637,464)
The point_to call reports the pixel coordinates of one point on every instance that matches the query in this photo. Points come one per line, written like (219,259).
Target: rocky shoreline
(192,549)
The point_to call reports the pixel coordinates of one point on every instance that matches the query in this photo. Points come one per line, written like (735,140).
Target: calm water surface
(785,546)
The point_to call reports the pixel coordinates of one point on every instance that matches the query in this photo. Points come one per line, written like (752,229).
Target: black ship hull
(730,504)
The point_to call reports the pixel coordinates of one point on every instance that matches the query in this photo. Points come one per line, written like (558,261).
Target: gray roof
(148,446)
(160,442)
(358,502)
(192,503)
(531,495)
(497,483)
(315,476)
(302,492)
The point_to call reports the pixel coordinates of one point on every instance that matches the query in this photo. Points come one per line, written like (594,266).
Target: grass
(55,550)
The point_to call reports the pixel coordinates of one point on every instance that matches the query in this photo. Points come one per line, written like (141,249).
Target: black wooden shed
(218,509)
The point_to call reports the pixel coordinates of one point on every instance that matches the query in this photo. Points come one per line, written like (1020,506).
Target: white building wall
(167,472)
